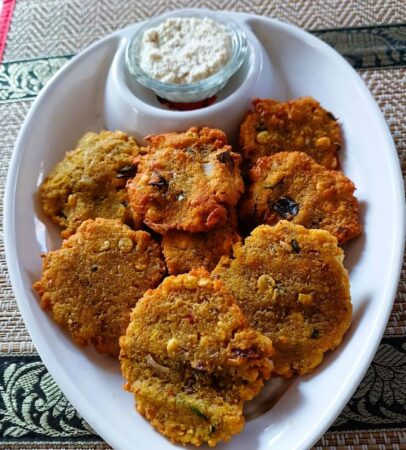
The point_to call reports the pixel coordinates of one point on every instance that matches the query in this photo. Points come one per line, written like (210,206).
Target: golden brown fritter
(292,286)
(290,185)
(190,359)
(297,125)
(185,251)
(90,181)
(91,284)
(188,181)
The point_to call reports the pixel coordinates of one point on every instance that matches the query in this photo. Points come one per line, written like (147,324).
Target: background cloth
(44,35)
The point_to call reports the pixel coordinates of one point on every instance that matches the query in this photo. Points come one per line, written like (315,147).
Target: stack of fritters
(198,345)
(186,188)
(191,359)
(289,150)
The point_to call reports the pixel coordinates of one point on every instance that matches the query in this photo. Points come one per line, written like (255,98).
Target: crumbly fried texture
(185,251)
(292,286)
(290,185)
(188,181)
(297,125)
(91,284)
(190,359)
(90,181)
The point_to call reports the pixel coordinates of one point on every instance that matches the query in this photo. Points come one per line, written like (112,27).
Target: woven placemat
(43,35)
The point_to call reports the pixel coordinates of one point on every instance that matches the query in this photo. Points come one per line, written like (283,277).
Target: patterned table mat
(43,35)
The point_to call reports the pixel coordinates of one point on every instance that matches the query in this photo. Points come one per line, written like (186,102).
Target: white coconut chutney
(185,50)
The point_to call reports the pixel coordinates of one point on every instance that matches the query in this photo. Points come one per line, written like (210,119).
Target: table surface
(43,35)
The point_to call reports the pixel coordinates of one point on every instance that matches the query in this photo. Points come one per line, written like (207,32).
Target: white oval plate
(70,105)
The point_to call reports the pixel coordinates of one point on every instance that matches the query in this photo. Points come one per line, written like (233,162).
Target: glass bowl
(199,90)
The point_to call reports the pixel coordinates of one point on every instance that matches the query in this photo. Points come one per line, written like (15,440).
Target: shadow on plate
(272,391)
(353,249)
